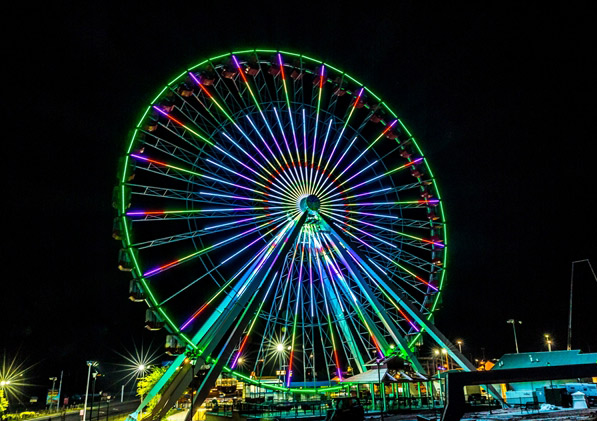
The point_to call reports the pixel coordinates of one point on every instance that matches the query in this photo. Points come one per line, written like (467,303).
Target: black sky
(501,98)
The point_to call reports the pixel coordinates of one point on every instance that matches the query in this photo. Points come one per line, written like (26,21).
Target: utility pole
(513,323)
(569,343)
(59,390)
(52,392)
(89,364)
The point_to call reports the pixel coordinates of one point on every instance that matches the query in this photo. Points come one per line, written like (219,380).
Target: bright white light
(137,363)
(12,378)
(280,347)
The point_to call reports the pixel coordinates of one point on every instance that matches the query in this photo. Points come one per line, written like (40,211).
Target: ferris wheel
(280,220)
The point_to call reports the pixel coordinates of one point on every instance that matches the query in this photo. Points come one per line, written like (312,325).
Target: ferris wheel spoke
(380,192)
(357,306)
(260,110)
(155,242)
(234,123)
(355,175)
(195,174)
(369,146)
(421,242)
(244,177)
(250,328)
(383,255)
(283,179)
(380,245)
(212,143)
(289,108)
(306,158)
(225,93)
(211,159)
(383,218)
(392,326)
(171,127)
(257,264)
(170,148)
(183,213)
(289,170)
(382,287)
(265,143)
(386,174)
(319,173)
(346,122)
(292,168)
(249,217)
(226,198)
(331,299)
(224,287)
(403,204)
(171,195)
(198,253)
(371,275)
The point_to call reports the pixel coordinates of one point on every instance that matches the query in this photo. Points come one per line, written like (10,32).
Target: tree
(147,382)
(3,403)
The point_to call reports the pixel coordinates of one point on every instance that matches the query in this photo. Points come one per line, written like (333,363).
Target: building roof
(373,376)
(542,359)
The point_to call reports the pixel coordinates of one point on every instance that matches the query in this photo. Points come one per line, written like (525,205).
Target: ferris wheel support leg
(173,370)
(255,300)
(377,305)
(405,303)
(181,378)
(341,320)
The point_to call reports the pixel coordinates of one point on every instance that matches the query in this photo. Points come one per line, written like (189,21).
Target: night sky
(500,98)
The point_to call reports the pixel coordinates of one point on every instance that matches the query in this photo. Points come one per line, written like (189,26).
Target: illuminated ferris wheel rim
(300,200)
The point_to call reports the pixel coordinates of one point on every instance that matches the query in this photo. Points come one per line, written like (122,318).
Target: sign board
(52,397)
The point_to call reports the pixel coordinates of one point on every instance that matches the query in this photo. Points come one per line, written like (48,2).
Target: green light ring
(127,240)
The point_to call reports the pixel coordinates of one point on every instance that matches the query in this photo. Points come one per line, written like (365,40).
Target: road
(115,409)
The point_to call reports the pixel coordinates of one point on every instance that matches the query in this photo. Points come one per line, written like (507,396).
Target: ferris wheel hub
(310,202)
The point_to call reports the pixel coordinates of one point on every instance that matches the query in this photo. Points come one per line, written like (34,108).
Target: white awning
(373,376)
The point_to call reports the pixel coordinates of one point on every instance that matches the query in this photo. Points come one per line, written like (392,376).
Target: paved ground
(500,414)
(508,414)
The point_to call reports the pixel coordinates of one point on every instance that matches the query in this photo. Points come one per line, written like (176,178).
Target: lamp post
(513,323)
(569,343)
(140,371)
(191,358)
(459,343)
(52,392)
(89,364)
(382,398)
(548,341)
(94,375)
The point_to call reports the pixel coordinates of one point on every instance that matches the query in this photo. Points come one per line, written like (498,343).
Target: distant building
(523,392)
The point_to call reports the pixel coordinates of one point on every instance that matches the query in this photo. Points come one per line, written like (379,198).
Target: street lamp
(548,341)
(513,323)
(459,343)
(89,364)
(52,393)
(445,352)
(383,405)
(435,355)
(569,342)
